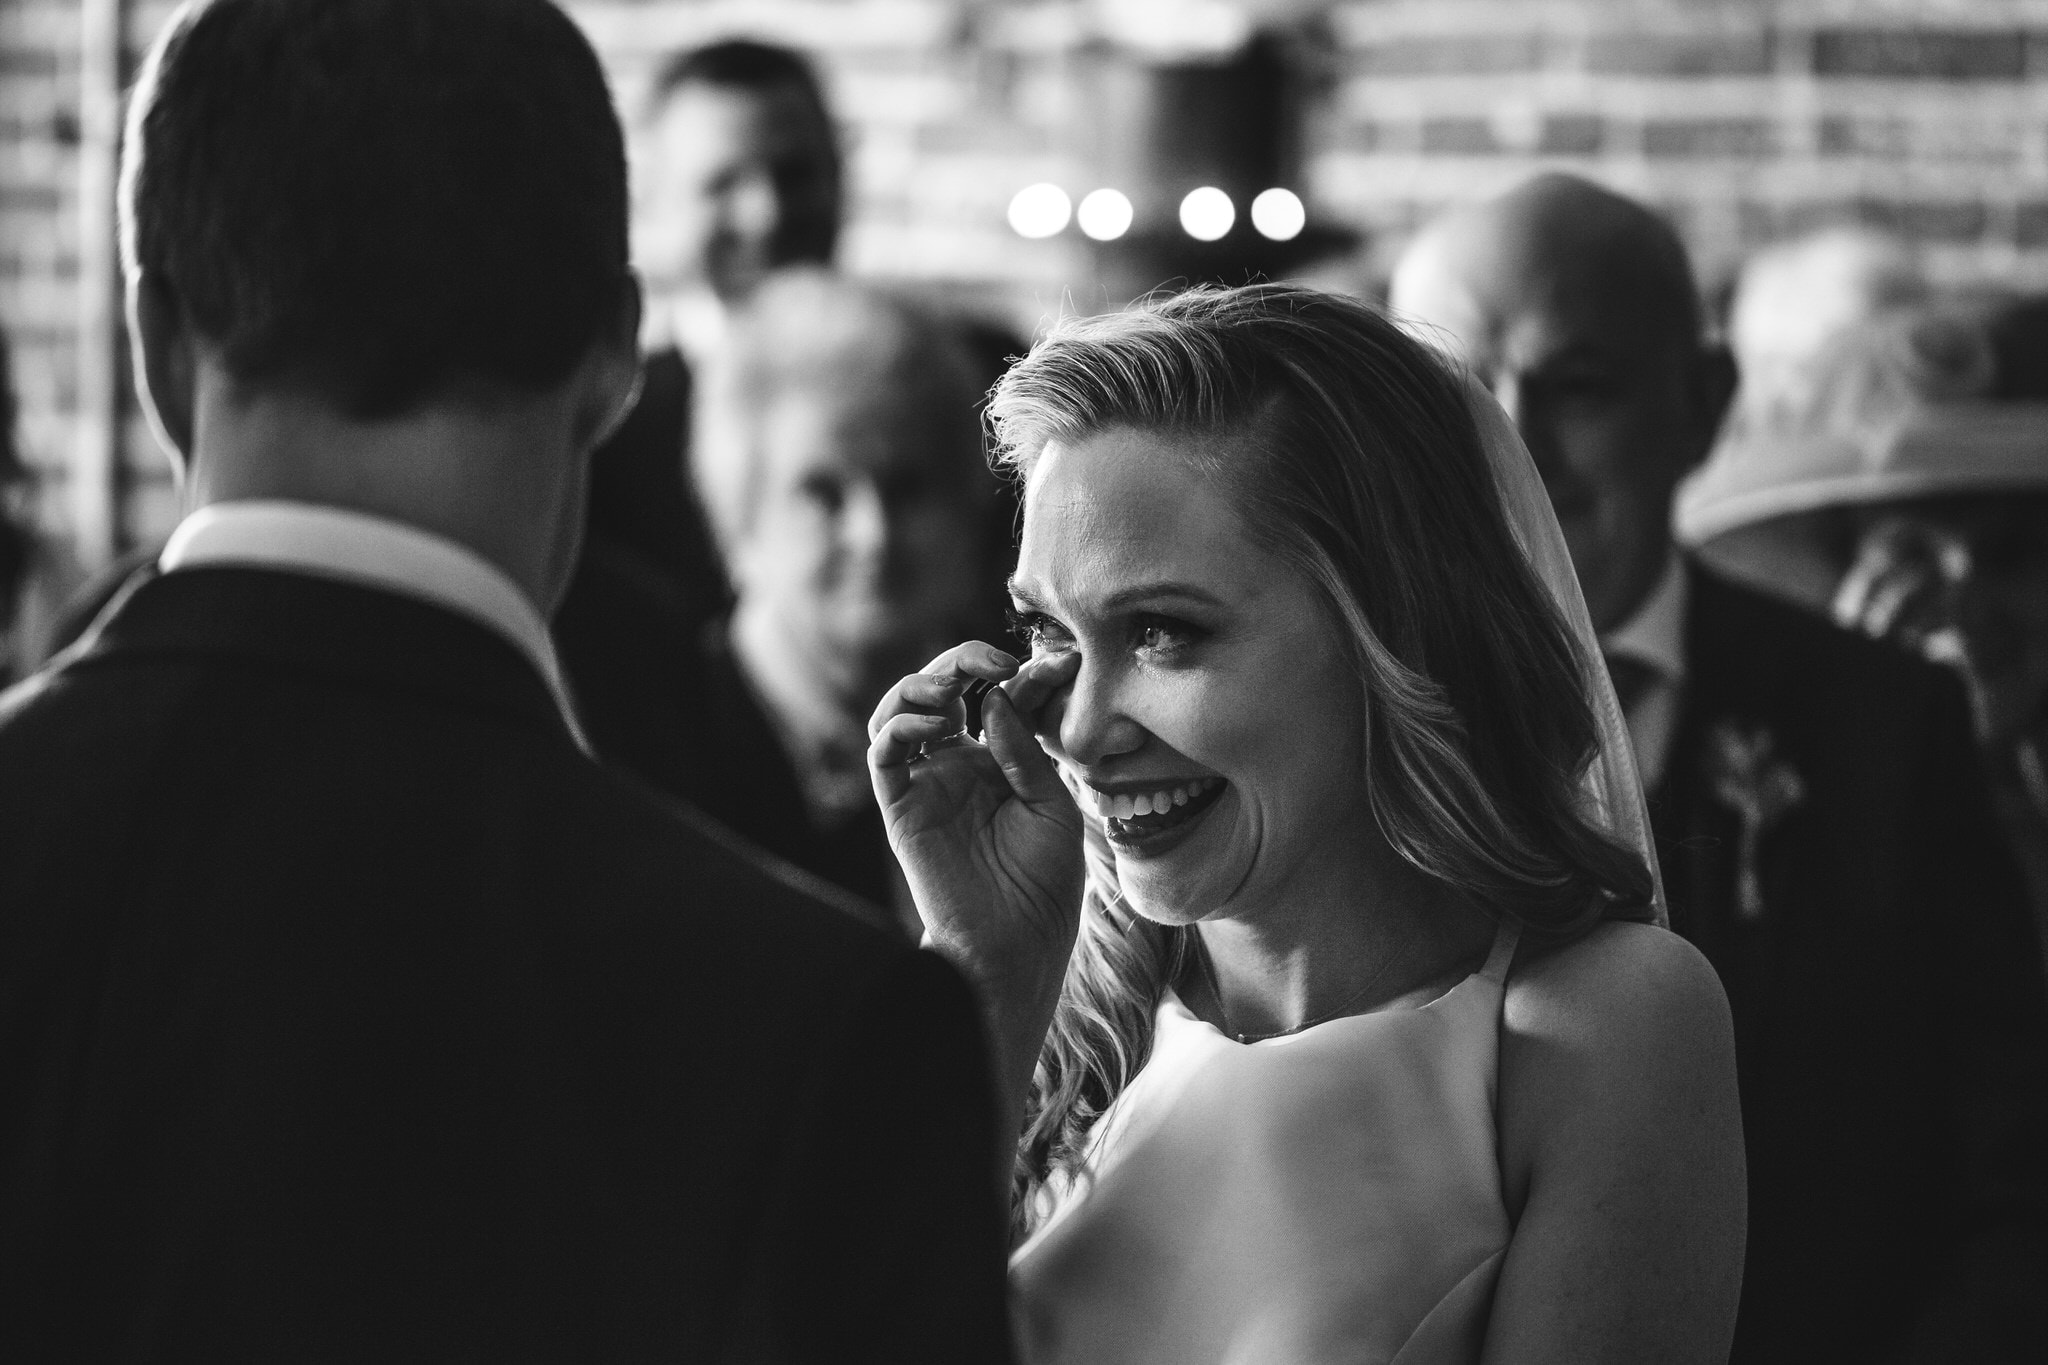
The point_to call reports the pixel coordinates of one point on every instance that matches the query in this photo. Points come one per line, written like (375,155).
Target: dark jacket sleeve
(885,1238)
(1985,1297)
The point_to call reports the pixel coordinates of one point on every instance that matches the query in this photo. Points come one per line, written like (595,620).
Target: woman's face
(1215,722)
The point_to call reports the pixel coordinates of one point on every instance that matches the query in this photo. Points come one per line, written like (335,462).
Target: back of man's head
(380,200)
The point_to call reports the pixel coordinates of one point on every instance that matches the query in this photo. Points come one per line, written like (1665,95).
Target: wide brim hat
(1909,404)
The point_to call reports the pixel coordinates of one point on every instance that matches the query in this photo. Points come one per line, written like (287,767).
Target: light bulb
(1278,214)
(1104,215)
(1207,213)
(1040,210)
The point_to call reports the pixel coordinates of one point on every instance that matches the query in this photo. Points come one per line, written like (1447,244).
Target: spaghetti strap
(1505,937)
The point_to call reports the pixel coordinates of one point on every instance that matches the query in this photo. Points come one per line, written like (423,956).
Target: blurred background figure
(738,173)
(741,175)
(838,451)
(1903,490)
(17,544)
(1790,298)
(1825,833)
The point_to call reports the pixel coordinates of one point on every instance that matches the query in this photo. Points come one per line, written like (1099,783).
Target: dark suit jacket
(347,1011)
(660,695)
(1887,1000)
(642,508)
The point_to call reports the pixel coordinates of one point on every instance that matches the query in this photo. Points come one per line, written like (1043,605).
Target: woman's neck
(1378,934)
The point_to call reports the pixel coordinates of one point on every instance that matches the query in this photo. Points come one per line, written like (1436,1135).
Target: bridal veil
(1611,790)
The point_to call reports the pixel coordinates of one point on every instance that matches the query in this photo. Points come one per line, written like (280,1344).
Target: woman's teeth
(1129,807)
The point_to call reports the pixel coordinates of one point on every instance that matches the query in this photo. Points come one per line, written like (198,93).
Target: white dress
(1332,1197)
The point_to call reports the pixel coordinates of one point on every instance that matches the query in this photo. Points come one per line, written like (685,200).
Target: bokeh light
(1104,214)
(1279,214)
(1040,210)
(1207,213)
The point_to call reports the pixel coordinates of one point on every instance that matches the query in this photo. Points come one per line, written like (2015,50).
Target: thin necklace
(1208,971)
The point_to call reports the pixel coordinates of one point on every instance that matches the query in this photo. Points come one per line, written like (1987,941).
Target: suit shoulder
(659,852)
(1747,643)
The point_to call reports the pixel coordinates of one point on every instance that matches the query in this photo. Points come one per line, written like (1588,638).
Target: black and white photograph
(1024,682)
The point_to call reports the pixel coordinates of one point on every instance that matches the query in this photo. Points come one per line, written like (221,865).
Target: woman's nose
(1089,719)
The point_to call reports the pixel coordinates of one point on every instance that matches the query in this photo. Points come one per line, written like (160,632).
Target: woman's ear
(166,364)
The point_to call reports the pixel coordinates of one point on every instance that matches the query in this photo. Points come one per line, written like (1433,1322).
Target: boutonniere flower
(1762,789)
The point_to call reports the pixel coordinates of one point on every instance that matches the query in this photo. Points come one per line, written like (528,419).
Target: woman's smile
(1150,819)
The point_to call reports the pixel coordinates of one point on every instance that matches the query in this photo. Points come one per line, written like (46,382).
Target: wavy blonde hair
(1351,454)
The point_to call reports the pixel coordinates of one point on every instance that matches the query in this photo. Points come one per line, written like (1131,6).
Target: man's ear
(1714,378)
(615,368)
(166,364)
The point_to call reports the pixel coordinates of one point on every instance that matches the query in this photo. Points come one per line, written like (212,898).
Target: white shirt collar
(1655,633)
(370,551)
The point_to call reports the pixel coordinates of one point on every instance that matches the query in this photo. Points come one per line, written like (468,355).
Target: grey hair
(807,331)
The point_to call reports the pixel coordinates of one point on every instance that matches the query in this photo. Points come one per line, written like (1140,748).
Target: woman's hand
(1916,584)
(988,835)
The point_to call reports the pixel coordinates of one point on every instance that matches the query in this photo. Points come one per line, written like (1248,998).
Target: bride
(1305,877)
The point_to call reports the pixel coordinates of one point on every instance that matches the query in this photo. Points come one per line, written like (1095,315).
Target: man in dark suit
(1824,835)
(347,1009)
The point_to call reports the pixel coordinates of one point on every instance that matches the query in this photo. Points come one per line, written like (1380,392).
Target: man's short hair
(380,198)
(742,64)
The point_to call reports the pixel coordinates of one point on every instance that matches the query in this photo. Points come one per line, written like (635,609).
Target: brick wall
(1745,120)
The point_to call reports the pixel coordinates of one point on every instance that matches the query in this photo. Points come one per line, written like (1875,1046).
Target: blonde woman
(1356,1039)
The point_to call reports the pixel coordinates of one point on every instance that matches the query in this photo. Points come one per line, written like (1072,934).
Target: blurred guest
(1826,835)
(1906,494)
(739,174)
(16,544)
(40,580)
(1791,297)
(838,451)
(347,1009)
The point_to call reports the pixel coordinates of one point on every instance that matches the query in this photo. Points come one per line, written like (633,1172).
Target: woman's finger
(893,747)
(977,658)
(1039,678)
(1025,766)
(926,693)
(938,685)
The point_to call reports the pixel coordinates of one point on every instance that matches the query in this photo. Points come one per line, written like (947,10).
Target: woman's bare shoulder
(1620,982)
(1618,1033)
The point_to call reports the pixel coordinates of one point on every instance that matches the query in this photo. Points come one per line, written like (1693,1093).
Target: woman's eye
(1036,630)
(1163,636)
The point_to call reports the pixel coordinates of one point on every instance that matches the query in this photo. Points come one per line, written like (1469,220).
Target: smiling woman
(1335,1051)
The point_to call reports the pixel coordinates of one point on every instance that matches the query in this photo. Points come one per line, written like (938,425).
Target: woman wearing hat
(1901,487)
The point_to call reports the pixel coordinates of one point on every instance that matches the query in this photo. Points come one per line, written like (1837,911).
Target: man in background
(739,175)
(347,1009)
(1825,836)
(838,452)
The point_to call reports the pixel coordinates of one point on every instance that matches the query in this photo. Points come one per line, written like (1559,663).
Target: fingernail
(1003,658)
